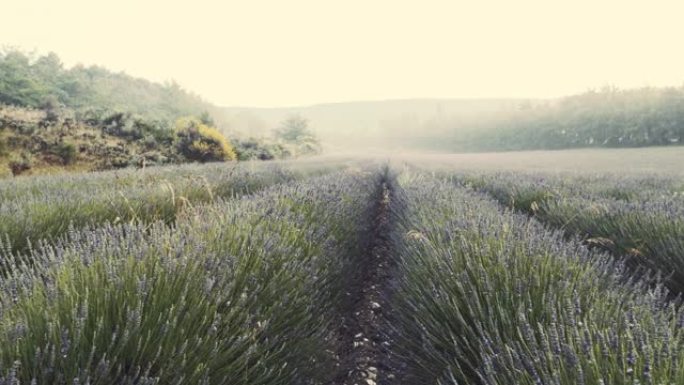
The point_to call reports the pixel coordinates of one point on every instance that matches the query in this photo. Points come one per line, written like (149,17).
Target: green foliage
(18,85)
(606,118)
(21,163)
(199,142)
(131,109)
(253,149)
(295,132)
(51,108)
(30,82)
(66,151)
(127,126)
(206,119)
(293,129)
(150,142)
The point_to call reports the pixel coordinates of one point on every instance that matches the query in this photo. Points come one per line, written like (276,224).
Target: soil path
(365,338)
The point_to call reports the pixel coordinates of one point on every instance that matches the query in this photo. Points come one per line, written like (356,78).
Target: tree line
(609,117)
(34,81)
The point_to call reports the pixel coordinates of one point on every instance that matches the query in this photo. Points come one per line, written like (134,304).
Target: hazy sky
(293,52)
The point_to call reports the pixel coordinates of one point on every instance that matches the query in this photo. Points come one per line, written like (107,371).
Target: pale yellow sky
(294,52)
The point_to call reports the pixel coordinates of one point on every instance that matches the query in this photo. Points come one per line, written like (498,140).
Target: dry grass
(21,114)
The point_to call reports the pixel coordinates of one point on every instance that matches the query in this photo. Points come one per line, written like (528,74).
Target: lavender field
(342,272)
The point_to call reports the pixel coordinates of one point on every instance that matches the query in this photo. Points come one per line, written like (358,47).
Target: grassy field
(639,160)
(561,267)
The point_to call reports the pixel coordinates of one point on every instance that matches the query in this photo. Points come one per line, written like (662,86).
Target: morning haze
(295,53)
(357,192)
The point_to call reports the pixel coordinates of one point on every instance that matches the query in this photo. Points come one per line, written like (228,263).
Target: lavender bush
(241,292)
(486,296)
(640,219)
(33,209)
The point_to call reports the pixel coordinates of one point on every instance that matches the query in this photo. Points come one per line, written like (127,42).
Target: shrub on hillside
(254,149)
(52,111)
(19,164)
(91,116)
(296,134)
(150,142)
(130,127)
(66,151)
(199,142)
(158,130)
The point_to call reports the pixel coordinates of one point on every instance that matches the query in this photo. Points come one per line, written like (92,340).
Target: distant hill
(390,122)
(609,117)
(605,118)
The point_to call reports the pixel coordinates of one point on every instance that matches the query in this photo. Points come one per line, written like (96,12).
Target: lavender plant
(241,292)
(636,218)
(486,296)
(45,208)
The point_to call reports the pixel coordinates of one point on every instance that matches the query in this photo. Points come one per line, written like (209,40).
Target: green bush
(52,111)
(295,133)
(66,151)
(150,142)
(254,149)
(20,164)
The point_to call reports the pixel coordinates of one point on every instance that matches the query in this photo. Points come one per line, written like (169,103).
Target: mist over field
(609,117)
(389,124)
(306,192)
(290,80)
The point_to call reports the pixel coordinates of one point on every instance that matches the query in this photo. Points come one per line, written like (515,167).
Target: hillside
(29,144)
(39,141)
(56,119)
(39,81)
(606,118)
(610,117)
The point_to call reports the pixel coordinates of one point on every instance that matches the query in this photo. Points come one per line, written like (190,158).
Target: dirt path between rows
(364,333)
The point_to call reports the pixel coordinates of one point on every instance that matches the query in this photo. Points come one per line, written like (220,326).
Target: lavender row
(487,296)
(244,292)
(155,194)
(94,182)
(640,219)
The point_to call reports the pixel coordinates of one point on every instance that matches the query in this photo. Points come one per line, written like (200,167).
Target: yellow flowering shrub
(197,141)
